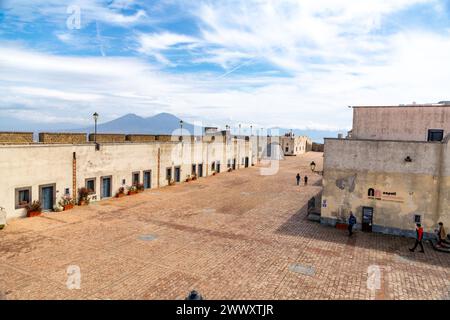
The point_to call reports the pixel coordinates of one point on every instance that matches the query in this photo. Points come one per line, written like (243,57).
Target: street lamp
(239,129)
(181,128)
(313,166)
(251,131)
(95,116)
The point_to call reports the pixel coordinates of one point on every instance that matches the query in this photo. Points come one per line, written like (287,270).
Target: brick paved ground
(236,235)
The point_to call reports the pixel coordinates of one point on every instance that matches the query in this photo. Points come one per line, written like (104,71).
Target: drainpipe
(441,184)
(158,169)
(74,175)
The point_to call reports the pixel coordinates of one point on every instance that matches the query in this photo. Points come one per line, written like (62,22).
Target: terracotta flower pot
(31,214)
(82,202)
(341,226)
(68,207)
(120,195)
(130,193)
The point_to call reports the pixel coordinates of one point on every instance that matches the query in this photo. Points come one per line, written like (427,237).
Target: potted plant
(83,196)
(171,182)
(132,190)
(34,209)
(194,177)
(2,218)
(213,173)
(229,170)
(140,187)
(67,202)
(188,178)
(120,193)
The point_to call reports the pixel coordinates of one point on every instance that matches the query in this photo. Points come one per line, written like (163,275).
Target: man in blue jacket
(351,223)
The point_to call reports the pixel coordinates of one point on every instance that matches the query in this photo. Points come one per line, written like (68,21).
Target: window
(67,191)
(136,178)
(435,135)
(287,149)
(213,166)
(169,174)
(90,185)
(417,218)
(23,197)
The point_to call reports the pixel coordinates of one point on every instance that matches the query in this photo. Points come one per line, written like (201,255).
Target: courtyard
(238,235)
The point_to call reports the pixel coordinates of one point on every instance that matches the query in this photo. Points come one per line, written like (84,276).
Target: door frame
(175,174)
(53,185)
(101,186)
(362,219)
(143,178)
(198,170)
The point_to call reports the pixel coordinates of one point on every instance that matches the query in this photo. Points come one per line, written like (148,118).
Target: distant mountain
(162,123)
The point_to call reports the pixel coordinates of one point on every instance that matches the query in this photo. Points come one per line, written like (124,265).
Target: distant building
(392,171)
(293,145)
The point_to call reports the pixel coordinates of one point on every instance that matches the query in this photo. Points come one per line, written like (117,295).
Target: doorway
(47,196)
(200,170)
(177,174)
(106,187)
(367,219)
(246,162)
(148,179)
(234,164)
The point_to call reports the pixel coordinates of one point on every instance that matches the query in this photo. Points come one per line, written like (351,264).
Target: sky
(292,64)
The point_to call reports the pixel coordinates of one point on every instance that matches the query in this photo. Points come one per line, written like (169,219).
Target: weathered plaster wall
(351,167)
(399,123)
(37,164)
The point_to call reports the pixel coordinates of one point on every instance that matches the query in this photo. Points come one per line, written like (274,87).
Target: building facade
(293,145)
(61,164)
(392,171)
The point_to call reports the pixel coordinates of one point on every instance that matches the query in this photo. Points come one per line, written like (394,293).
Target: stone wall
(369,173)
(406,123)
(140,138)
(69,138)
(108,138)
(16,137)
(317,147)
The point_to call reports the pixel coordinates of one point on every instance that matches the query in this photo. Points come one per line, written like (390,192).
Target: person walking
(441,234)
(306,180)
(298,179)
(351,223)
(419,237)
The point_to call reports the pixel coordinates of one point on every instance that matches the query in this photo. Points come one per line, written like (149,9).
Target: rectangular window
(67,191)
(169,174)
(213,166)
(435,135)
(136,178)
(90,185)
(417,218)
(23,197)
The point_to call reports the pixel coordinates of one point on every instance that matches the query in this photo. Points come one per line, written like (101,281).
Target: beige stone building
(293,145)
(392,171)
(61,164)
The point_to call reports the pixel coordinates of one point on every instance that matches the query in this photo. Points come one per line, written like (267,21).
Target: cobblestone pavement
(236,235)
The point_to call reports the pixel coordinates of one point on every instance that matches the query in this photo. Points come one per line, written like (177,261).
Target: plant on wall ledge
(132,190)
(67,202)
(83,196)
(34,209)
(120,193)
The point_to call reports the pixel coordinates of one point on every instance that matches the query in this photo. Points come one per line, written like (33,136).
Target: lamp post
(181,130)
(251,131)
(239,129)
(95,116)
(313,166)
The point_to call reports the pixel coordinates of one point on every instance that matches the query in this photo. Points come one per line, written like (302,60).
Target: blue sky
(295,64)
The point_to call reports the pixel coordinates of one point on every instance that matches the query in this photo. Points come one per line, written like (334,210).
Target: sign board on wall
(384,195)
